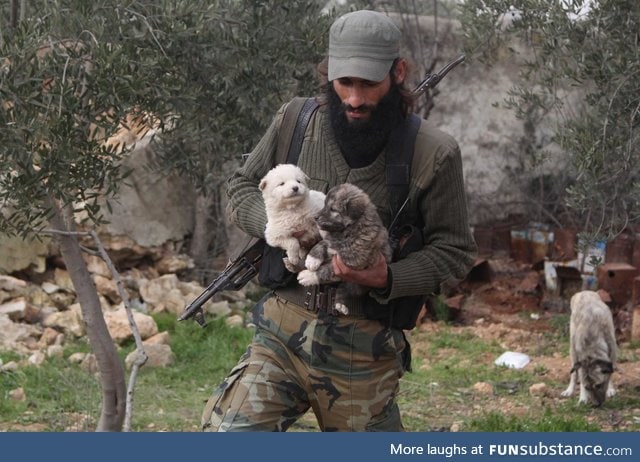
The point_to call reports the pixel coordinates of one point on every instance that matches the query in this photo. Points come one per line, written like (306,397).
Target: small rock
(538,389)
(37,358)
(77,358)
(11,284)
(48,337)
(11,366)
(483,388)
(174,264)
(55,351)
(157,356)
(218,309)
(161,338)
(234,321)
(17,394)
(89,363)
(50,288)
(63,280)
(119,329)
(96,265)
(14,309)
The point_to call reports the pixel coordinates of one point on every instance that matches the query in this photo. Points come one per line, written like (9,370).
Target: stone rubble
(39,312)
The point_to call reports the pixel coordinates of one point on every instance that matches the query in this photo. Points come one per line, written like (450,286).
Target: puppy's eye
(281,184)
(299,181)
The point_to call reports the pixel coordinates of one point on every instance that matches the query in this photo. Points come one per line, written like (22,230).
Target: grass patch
(172,398)
(58,393)
(440,395)
(549,421)
(456,385)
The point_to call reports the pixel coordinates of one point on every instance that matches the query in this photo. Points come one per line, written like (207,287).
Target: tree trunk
(112,379)
(209,237)
(201,238)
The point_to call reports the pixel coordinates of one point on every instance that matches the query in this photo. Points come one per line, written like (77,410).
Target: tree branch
(141,356)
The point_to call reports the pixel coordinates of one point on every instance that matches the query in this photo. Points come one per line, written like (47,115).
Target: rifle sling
(398,160)
(294,124)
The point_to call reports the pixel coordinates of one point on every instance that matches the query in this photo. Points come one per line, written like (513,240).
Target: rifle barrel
(218,284)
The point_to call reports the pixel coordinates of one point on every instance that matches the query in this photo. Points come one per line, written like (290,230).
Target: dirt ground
(506,302)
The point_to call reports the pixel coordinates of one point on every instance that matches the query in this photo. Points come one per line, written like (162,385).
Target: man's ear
(400,71)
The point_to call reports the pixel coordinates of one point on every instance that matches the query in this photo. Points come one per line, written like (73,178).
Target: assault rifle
(238,272)
(246,264)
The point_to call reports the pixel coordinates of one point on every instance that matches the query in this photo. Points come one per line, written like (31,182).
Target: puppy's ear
(356,206)
(263,184)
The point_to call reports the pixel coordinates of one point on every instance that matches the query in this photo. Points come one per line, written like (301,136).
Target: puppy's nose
(295,189)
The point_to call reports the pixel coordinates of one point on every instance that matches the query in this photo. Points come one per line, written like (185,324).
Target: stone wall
(468,106)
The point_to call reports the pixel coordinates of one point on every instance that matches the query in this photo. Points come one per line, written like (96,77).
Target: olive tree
(70,76)
(226,67)
(584,50)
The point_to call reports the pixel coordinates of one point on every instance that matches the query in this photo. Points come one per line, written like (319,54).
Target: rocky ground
(39,312)
(510,306)
(502,301)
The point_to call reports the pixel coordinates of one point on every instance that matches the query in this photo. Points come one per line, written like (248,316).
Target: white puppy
(291,209)
(593,348)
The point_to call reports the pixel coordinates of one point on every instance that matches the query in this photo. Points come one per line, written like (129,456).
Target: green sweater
(436,192)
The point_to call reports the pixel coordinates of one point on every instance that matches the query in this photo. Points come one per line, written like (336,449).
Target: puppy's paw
(568,392)
(611,391)
(302,253)
(308,278)
(341,308)
(584,397)
(291,267)
(294,259)
(312,263)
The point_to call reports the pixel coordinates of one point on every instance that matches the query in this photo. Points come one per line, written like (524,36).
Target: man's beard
(362,140)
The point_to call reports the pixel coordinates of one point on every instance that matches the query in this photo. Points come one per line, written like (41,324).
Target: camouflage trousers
(345,368)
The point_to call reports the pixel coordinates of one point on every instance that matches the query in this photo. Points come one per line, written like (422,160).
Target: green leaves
(583,67)
(230,66)
(68,76)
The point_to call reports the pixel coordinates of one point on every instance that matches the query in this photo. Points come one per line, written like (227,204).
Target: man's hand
(374,276)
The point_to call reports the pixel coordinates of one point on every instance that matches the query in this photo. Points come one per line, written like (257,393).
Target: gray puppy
(350,227)
(593,348)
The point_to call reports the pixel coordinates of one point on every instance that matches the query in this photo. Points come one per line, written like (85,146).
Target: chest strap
(399,157)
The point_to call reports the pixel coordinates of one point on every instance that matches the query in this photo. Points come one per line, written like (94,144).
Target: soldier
(304,355)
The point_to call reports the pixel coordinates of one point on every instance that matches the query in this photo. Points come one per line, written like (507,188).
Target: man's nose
(355,97)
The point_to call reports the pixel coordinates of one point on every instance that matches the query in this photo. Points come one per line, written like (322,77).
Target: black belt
(319,298)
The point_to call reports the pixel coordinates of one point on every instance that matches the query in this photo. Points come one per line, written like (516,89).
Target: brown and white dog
(350,227)
(593,348)
(291,209)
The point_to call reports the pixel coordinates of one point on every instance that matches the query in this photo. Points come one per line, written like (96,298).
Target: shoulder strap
(294,124)
(399,159)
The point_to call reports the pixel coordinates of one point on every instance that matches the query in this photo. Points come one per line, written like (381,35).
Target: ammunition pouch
(273,274)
